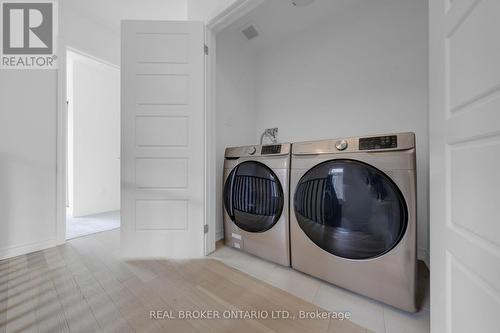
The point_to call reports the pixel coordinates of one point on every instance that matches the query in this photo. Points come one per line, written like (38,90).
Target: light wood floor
(84,286)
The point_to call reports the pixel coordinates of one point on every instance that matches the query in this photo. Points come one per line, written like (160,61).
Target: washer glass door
(350,209)
(253,197)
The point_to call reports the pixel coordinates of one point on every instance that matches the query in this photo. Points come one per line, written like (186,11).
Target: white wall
(27,161)
(235,104)
(93,136)
(28,114)
(362,72)
(93,26)
(88,35)
(204,10)
(110,12)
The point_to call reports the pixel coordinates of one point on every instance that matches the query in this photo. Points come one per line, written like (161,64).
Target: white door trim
(236,10)
(87,55)
(210,144)
(215,25)
(61,140)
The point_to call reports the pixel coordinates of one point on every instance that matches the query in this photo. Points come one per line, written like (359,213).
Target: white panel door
(95,183)
(162,139)
(465,165)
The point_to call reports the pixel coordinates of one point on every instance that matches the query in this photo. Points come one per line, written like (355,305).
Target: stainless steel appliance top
(364,144)
(280,149)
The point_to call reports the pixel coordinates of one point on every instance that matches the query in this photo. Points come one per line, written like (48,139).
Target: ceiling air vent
(250,32)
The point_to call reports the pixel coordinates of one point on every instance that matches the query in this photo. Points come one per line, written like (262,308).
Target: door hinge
(205,228)
(205,48)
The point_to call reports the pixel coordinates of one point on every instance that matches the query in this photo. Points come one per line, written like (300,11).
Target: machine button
(252,150)
(341,145)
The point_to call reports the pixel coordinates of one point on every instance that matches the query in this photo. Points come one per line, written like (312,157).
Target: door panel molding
(163,139)
(464,164)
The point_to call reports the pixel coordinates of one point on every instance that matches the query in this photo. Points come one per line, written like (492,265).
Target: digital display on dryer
(272,149)
(379,142)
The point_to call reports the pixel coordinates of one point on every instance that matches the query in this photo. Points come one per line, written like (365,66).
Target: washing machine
(353,215)
(256,199)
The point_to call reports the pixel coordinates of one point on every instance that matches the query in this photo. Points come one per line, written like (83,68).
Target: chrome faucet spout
(271,133)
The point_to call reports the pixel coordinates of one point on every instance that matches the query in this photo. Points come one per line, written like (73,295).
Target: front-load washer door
(253,197)
(350,209)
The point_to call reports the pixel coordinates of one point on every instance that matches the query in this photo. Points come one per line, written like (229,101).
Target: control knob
(341,145)
(252,150)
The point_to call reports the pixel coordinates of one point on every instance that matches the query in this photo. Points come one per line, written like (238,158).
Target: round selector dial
(341,145)
(252,150)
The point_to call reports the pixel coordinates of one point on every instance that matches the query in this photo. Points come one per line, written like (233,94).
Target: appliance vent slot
(250,32)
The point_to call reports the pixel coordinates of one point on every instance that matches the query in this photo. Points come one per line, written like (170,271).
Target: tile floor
(86,225)
(373,315)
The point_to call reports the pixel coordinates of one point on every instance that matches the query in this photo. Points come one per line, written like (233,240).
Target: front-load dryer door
(253,197)
(350,209)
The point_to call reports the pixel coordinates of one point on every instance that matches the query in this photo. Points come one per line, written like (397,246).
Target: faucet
(271,133)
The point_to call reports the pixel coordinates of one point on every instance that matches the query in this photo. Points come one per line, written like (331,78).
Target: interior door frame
(62,137)
(228,16)
(61,140)
(215,25)
(85,58)
(236,10)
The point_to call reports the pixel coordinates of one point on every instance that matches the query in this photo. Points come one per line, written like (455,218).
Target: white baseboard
(423,254)
(18,250)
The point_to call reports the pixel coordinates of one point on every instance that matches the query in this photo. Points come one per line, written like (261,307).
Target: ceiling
(110,12)
(276,19)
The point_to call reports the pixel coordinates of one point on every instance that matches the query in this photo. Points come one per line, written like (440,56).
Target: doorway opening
(93,145)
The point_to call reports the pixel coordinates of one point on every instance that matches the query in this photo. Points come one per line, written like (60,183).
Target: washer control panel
(270,149)
(378,142)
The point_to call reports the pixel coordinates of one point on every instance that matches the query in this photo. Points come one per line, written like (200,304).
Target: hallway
(91,224)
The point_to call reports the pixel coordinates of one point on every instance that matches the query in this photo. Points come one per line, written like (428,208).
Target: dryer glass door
(350,209)
(253,197)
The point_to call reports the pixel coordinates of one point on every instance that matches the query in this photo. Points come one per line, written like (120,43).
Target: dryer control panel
(271,149)
(378,142)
